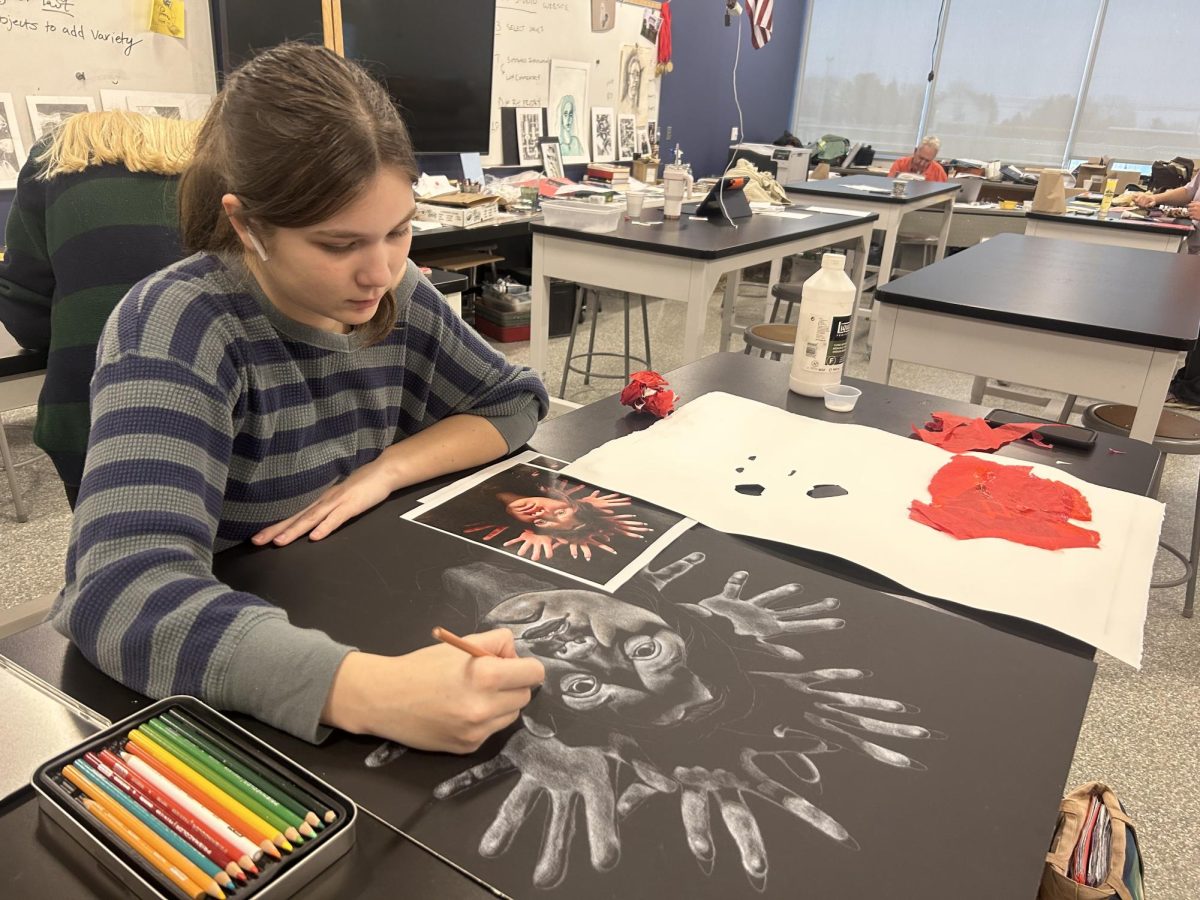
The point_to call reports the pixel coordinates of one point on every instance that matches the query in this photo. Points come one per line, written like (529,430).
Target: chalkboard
(530,34)
(77,48)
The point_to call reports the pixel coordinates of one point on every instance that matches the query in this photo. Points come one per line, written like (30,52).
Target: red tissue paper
(958,434)
(649,392)
(978,498)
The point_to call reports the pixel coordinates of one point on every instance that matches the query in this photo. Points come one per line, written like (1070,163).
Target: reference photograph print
(12,153)
(529,133)
(47,113)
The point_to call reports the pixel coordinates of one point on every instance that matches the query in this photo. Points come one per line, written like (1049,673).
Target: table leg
(699,292)
(861,248)
(879,369)
(978,389)
(944,234)
(1154,395)
(773,277)
(539,312)
(888,258)
(732,281)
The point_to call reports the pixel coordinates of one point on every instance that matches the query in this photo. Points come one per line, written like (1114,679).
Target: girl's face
(332,275)
(543,512)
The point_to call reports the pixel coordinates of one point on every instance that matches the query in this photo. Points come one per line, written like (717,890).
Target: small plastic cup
(841,397)
(634,202)
(898,188)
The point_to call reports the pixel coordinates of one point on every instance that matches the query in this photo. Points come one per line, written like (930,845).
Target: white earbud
(257,245)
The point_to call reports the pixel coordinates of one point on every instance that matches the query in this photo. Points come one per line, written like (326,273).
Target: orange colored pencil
(261,840)
(215,793)
(152,857)
(176,859)
(449,637)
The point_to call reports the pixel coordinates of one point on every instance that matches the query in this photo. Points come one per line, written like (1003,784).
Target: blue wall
(697,97)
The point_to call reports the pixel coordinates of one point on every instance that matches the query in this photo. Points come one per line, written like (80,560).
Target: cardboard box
(459,209)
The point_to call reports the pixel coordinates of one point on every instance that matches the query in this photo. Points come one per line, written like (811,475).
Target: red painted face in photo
(542,512)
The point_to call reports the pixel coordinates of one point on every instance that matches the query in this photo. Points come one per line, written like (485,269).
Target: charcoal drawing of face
(605,656)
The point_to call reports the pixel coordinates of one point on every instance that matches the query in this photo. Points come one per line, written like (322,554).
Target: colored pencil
(194,757)
(200,868)
(156,758)
(189,774)
(152,857)
(85,783)
(234,759)
(449,637)
(220,827)
(186,828)
(304,799)
(235,784)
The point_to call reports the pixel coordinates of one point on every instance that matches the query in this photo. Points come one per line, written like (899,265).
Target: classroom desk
(971,224)
(1094,321)
(1110,230)
(384,861)
(840,193)
(678,260)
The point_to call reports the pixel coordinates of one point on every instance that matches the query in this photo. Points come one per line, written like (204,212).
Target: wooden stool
(1176,433)
(774,337)
(21,376)
(587,372)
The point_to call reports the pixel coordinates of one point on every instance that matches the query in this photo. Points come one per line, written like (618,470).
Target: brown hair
(140,143)
(295,134)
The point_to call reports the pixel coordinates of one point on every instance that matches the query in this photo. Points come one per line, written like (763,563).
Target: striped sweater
(76,244)
(213,416)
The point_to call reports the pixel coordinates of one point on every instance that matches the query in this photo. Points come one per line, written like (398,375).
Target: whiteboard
(530,33)
(69,48)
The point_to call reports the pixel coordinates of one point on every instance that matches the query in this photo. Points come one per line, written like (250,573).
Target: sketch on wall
(568,107)
(654,698)
(627,137)
(637,68)
(604,147)
(569,526)
(48,113)
(552,161)
(529,134)
(12,153)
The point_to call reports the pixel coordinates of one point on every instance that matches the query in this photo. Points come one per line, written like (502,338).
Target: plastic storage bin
(596,218)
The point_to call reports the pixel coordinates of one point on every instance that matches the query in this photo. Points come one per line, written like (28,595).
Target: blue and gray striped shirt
(214,416)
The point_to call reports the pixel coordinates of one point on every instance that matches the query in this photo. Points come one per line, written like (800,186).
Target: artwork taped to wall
(627,137)
(552,161)
(729,723)
(604,137)
(634,77)
(12,150)
(530,131)
(604,15)
(48,113)
(568,108)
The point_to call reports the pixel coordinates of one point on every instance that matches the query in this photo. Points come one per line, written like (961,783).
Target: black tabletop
(1141,297)
(702,239)
(841,187)
(1114,220)
(449,282)
(452,236)
(22,362)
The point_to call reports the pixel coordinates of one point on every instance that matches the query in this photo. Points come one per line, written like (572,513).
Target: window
(1143,105)
(864,71)
(1011,98)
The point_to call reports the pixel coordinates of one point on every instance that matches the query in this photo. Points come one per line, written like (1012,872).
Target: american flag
(762,17)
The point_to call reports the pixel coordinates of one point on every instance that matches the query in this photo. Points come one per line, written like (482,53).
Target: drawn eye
(642,648)
(579,684)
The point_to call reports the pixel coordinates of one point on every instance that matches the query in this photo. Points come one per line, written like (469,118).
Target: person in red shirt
(923,162)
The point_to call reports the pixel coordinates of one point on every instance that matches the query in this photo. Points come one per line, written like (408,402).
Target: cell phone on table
(1057,434)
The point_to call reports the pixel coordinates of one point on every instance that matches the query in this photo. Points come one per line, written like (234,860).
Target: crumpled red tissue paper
(648,391)
(958,434)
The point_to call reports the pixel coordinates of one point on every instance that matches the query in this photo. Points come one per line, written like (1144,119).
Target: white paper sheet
(688,463)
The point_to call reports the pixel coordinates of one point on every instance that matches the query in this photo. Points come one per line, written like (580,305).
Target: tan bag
(1050,196)
(1072,818)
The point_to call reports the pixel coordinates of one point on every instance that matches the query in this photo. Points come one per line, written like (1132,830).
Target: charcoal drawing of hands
(569,777)
(770,615)
(851,715)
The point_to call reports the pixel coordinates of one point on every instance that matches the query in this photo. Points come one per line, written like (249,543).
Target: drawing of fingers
(875,751)
(551,866)
(744,830)
(509,818)
(633,797)
(879,726)
(733,586)
(770,789)
(599,812)
(473,776)
(808,626)
(660,578)
(777,595)
(384,754)
(809,609)
(697,828)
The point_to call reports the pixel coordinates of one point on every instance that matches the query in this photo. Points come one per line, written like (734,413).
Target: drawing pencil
(141,745)
(305,798)
(152,857)
(237,785)
(175,819)
(219,826)
(186,752)
(86,783)
(449,637)
(206,787)
(233,758)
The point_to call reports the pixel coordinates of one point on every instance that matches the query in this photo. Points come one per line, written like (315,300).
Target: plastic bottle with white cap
(823,330)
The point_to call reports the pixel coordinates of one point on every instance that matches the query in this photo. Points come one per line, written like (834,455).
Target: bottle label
(825,342)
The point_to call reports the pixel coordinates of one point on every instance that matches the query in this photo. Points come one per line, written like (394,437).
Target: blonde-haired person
(290,374)
(923,161)
(94,214)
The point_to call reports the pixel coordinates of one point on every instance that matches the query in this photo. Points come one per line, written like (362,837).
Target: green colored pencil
(189,753)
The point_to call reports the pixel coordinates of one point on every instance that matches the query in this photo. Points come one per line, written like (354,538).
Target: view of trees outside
(1003,92)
